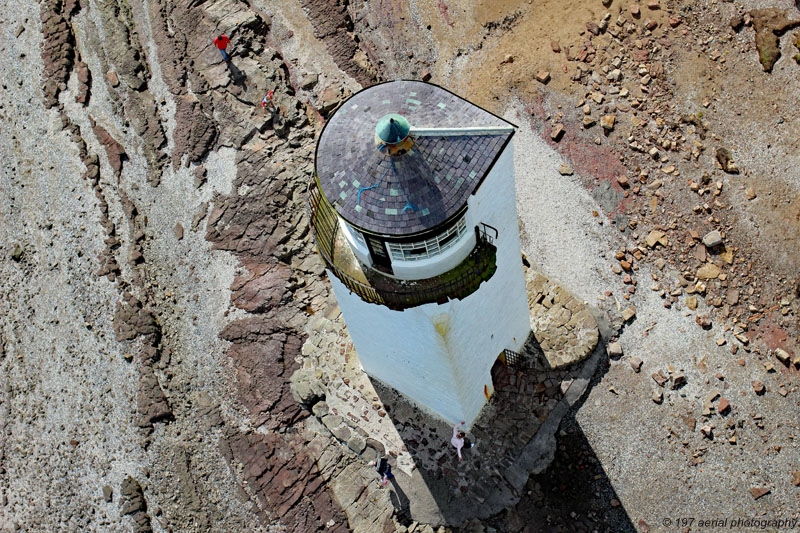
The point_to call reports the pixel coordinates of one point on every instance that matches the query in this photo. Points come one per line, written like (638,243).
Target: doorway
(380,256)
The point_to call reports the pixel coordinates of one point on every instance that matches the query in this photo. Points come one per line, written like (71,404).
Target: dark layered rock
(127,64)
(132,320)
(134,504)
(114,150)
(263,351)
(58,50)
(151,403)
(261,288)
(333,25)
(251,224)
(195,132)
(123,49)
(284,478)
(84,82)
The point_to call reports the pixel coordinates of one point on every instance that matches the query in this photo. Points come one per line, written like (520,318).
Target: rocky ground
(159,289)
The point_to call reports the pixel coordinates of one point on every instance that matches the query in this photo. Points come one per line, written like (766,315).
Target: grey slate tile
(436,176)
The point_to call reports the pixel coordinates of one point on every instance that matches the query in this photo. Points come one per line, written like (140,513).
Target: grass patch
(796,44)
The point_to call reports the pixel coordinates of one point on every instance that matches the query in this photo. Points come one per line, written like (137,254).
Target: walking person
(222,43)
(458,439)
(384,469)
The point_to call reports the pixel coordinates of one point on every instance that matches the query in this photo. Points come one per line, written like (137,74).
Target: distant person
(222,43)
(267,100)
(458,439)
(384,469)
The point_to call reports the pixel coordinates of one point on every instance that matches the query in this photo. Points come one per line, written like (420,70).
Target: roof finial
(392,129)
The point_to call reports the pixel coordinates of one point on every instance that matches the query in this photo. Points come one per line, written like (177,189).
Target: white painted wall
(360,250)
(441,356)
(421,268)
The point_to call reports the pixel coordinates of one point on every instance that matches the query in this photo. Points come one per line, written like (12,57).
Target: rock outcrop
(282,476)
(58,49)
(134,504)
(770,23)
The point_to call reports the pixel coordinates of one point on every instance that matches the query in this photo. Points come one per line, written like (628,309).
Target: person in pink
(458,439)
(222,43)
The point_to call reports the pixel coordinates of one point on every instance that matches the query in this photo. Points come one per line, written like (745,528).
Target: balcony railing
(459,282)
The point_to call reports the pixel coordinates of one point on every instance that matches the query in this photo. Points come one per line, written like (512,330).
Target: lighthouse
(413,211)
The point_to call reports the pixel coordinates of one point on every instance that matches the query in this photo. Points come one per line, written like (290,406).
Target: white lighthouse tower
(414,214)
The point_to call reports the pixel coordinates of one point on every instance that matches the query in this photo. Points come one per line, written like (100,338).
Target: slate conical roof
(455,144)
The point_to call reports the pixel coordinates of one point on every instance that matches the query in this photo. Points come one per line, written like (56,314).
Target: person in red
(222,43)
(267,100)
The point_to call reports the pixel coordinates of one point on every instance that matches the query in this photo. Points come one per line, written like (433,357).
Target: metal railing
(324,224)
(512,359)
(484,232)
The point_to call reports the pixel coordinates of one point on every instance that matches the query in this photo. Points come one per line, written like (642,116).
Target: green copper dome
(392,128)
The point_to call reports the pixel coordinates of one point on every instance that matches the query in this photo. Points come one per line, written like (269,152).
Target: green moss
(458,282)
(479,266)
(768,56)
(768,51)
(796,44)
(16,254)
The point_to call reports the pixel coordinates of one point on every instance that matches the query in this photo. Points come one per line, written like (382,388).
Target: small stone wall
(562,325)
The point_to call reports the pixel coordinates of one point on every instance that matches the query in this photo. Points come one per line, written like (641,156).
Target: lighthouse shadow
(514,435)
(572,494)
